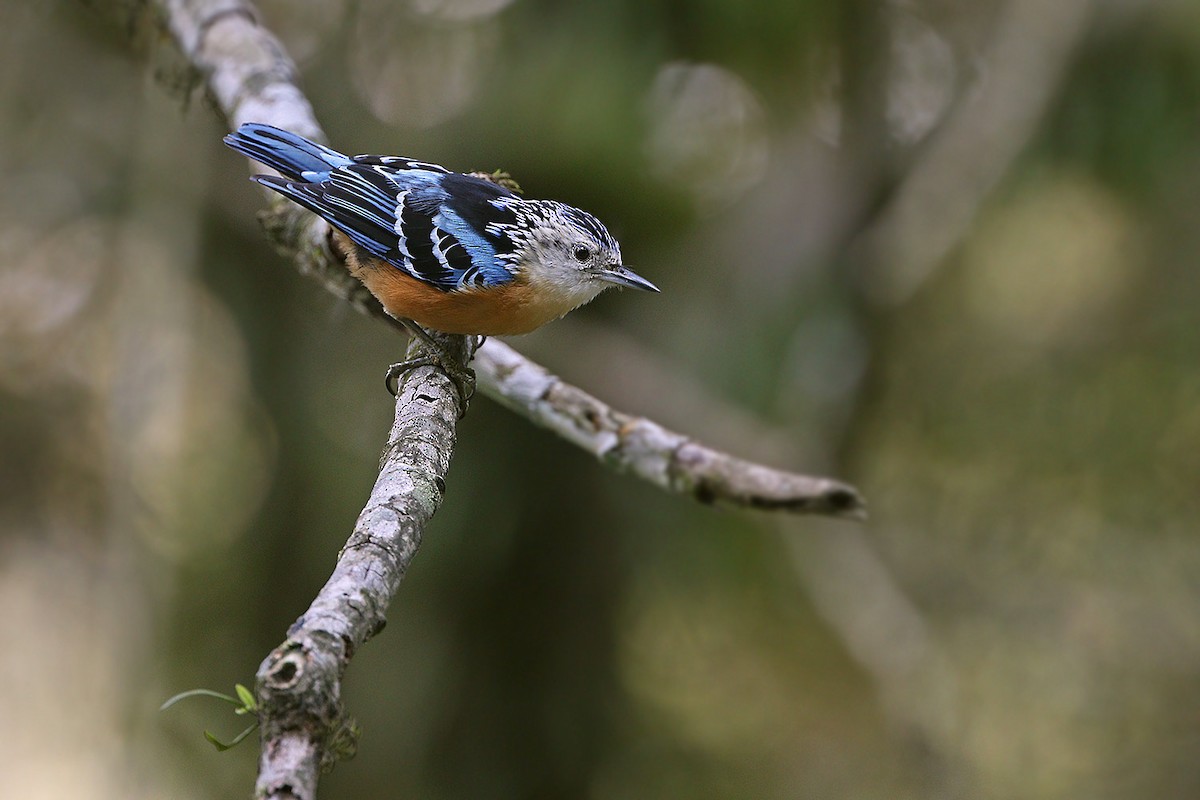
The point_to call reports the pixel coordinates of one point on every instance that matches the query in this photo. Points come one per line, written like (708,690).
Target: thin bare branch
(299,683)
(646,449)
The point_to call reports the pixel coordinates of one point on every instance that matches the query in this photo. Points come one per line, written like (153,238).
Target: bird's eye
(582,254)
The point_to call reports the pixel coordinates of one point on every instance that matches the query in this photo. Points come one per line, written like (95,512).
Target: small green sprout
(244,704)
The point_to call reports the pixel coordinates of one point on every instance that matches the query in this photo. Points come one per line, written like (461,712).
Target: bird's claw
(462,377)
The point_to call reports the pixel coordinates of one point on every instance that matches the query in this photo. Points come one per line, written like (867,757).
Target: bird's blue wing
(418,217)
(479,215)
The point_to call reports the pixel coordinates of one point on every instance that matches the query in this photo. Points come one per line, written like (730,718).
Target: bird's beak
(626,277)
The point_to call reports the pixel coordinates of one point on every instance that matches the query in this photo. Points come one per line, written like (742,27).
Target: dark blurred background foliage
(944,250)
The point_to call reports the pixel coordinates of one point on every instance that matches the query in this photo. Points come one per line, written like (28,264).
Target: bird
(452,252)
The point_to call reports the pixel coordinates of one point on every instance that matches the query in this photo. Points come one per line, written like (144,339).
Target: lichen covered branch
(299,683)
(644,448)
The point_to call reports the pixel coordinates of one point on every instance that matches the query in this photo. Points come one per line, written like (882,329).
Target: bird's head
(572,251)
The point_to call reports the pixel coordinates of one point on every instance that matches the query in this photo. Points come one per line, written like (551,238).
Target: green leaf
(249,704)
(223,746)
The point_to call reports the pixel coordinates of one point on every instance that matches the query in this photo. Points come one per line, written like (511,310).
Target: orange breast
(499,311)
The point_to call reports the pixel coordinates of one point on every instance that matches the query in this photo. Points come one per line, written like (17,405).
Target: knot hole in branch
(285,673)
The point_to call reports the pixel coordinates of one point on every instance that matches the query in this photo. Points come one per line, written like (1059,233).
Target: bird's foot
(462,377)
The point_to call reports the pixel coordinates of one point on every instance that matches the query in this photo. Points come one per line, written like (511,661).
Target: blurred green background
(944,250)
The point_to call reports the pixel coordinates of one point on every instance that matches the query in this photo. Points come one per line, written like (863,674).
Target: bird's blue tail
(290,154)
